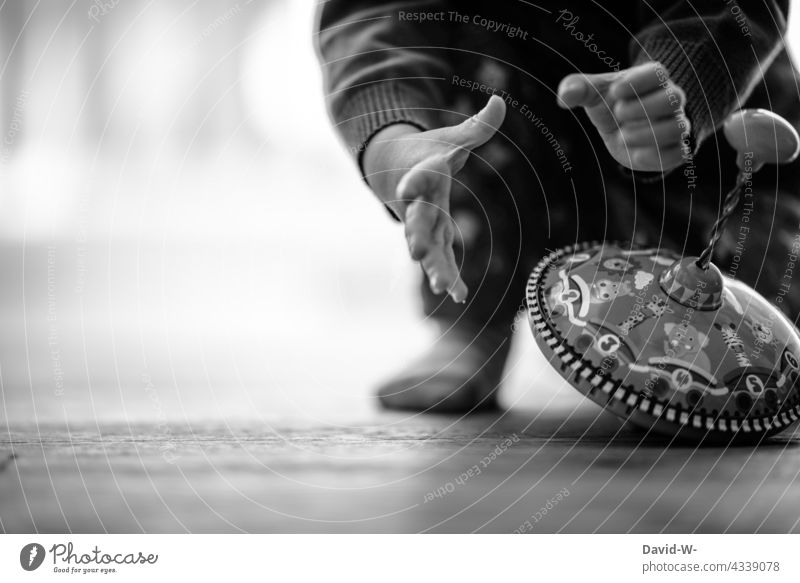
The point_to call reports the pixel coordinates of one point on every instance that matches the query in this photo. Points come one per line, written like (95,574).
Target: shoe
(461,373)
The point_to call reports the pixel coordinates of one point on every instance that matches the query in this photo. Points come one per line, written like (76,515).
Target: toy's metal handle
(759,137)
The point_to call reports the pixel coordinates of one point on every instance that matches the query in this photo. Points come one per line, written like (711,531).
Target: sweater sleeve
(715,50)
(382,63)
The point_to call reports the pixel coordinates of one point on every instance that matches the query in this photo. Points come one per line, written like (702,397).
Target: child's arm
(383,72)
(411,172)
(715,51)
(690,71)
(381,66)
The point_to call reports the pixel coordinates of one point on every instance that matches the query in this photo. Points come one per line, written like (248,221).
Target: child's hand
(411,170)
(638,112)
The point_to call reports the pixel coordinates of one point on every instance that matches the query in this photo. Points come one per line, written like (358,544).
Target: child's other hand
(411,172)
(639,113)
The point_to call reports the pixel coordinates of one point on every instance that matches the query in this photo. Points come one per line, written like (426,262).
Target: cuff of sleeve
(709,95)
(371,109)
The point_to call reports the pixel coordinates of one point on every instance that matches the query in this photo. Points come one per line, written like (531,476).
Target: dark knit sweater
(381,65)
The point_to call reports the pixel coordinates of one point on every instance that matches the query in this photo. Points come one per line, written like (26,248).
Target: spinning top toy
(668,342)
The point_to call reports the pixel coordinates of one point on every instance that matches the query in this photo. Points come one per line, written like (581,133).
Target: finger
(429,227)
(420,220)
(653,106)
(661,134)
(639,80)
(655,159)
(582,90)
(423,192)
(440,264)
(458,290)
(441,272)
(481,127)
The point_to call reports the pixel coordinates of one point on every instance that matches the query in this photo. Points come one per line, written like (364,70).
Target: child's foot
(460,374)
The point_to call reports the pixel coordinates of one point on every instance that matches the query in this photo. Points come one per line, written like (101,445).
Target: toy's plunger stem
(730,204)
(759,137)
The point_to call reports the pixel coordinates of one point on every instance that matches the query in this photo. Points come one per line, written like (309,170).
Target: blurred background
(181,235)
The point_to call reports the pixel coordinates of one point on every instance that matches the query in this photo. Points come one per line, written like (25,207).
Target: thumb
(579,90)
(481,127)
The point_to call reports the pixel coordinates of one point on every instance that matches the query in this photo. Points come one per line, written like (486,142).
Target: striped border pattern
(582,373)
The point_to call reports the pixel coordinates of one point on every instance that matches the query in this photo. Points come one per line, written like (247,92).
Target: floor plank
(393,474)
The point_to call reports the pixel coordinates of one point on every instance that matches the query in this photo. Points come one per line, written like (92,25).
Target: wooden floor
(393,474)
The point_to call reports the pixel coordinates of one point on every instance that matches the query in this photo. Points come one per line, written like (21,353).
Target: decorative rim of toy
(590,379)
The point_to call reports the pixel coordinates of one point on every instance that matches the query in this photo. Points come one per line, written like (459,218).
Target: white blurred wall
(175,208)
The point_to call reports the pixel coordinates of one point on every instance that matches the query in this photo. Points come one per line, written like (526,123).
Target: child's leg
(463,369)
(509,211)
